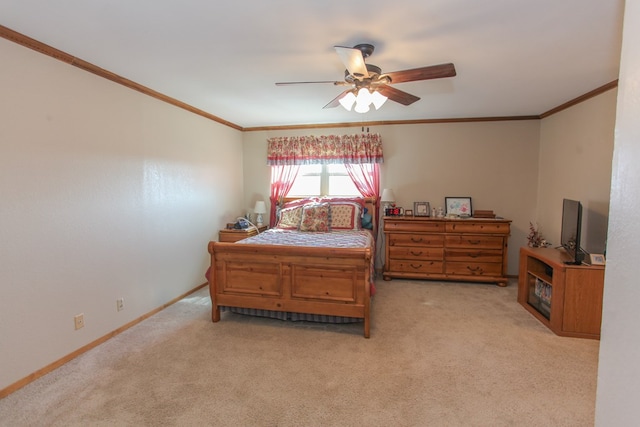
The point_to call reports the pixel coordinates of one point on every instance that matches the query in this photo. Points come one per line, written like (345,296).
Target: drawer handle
(413,239)
(473,255)
(474,242)
(475,270)
(416,253)
(416,266)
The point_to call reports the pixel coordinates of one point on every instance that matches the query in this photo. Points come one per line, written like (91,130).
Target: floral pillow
(315,217)
(345,216)
(290,218)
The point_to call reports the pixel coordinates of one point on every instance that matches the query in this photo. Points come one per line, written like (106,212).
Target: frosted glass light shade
(347,101)
(364,97)
(378,99)
(361,108)
(363,100)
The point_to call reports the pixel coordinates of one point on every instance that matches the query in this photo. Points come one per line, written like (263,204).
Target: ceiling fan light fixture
(361,108)
(367,80)
(348,100)
(364,96)
(378,99)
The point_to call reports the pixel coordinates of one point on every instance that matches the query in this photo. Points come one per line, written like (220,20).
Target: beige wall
(494,163)
(618,391)
(105,193)
(576,147)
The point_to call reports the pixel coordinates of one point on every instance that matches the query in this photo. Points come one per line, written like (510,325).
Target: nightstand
(232,235)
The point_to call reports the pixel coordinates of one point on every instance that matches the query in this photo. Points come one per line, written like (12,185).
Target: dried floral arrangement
(535,238)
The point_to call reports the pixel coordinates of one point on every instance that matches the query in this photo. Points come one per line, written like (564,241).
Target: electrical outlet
(120,304)
(79,321)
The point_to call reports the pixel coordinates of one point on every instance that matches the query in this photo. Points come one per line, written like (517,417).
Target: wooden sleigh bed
(315,279)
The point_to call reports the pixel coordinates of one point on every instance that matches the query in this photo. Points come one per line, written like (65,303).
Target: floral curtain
(282,179)
(366,177)
(305,150)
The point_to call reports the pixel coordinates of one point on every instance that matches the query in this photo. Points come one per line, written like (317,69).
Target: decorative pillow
(345,216)
(338,199)
(315,217)
(367,220)
(290,218)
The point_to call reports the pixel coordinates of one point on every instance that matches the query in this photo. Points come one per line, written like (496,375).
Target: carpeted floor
(440,354)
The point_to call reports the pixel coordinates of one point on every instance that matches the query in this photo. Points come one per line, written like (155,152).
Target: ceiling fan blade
(424,73)
(396,95)
(305,83)
(336,101)
(353,61)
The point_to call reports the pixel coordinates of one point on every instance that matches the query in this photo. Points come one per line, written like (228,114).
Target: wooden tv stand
(566,298)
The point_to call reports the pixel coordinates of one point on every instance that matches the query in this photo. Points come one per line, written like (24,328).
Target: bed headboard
(369,203)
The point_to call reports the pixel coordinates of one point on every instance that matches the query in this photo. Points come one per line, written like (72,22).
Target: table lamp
(388,198)
(259,210)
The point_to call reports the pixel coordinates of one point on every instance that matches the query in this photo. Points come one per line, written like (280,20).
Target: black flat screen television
(571,230)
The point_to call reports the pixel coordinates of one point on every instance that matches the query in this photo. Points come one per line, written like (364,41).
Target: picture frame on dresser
(421,209)
(460,206)
(596,259)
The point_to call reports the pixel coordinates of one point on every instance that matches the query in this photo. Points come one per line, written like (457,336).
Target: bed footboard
(315,280)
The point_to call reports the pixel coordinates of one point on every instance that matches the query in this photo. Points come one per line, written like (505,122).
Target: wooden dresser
(469,250)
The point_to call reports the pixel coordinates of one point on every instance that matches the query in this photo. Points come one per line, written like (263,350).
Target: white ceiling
(513,57)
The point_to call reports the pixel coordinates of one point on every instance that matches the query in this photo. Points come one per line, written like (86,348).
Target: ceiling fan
(376,84)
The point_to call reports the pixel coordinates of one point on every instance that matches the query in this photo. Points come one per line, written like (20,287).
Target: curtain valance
(308,150)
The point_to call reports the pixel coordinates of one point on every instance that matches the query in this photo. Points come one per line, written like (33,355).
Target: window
(323,180)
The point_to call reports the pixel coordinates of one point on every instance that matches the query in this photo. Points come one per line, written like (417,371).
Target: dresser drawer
(416,266)
(471,255)
(415,253)
(414,226)
(431,240)
(474,241)
(478,227)
(474,268)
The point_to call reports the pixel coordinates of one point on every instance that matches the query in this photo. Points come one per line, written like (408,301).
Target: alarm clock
(394,211)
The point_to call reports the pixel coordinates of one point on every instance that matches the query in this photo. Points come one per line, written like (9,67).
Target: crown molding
(40,47)
(33,44)
(582,98)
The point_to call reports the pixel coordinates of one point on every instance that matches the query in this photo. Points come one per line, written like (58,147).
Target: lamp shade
(378,99)
(348,100)
(260,207)
(387,195)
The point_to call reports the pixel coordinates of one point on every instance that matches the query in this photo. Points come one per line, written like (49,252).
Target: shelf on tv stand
(575,306)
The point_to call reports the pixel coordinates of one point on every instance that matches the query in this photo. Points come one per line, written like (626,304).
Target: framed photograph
(421,208)
(408,212)
(597,259)
(460,206)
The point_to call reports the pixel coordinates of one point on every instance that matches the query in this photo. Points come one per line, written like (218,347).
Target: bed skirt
(295,317)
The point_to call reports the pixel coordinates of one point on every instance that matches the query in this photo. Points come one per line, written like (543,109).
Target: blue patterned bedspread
(333,239)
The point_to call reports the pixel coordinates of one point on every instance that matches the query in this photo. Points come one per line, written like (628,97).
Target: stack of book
(483,214)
